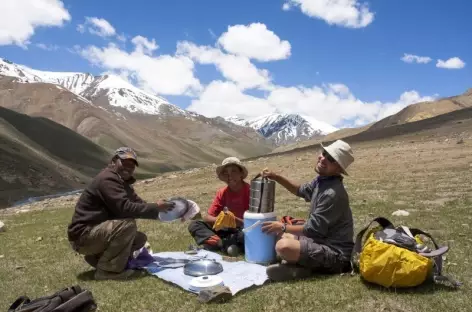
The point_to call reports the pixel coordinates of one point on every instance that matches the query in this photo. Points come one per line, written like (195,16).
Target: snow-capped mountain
(103,90)
(285,128)
(112,93)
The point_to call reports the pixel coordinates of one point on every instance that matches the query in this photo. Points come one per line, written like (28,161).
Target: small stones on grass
(2,226)
(39,239)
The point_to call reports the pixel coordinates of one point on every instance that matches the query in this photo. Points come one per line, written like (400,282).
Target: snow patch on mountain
(284,128)
(74,82)
(120,93)
(110,89)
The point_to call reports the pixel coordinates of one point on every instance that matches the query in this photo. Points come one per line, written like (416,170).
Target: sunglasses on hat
(328,156)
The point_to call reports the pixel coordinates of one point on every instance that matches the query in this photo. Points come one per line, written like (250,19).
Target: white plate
(179,210)
(202,282)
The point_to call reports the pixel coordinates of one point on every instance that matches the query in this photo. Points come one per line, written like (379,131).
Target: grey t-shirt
(330,221)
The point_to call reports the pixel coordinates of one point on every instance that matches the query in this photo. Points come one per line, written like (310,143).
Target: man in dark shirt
(103,226)
(325,241)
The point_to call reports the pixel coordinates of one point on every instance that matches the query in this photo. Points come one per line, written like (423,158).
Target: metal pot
(262,196)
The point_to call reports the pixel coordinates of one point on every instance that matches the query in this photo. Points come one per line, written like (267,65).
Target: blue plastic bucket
(259,247)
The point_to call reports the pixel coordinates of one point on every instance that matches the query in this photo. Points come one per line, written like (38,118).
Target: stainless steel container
(262,195)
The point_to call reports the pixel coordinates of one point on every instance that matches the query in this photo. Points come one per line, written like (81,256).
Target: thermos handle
(258,176)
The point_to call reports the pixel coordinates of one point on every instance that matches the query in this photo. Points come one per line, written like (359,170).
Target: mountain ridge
(285,129)
(115,90)
(113,93)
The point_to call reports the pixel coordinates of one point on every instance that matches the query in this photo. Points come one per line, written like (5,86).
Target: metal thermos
(262,195)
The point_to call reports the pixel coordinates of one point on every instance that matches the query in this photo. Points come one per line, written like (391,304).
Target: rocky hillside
(182,140)
(105,112)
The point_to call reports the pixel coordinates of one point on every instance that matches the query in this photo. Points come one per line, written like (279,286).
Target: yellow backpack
(397,256)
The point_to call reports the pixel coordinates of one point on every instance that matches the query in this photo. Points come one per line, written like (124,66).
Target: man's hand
(266,173)
(239,222)
(164,205)
(272,227)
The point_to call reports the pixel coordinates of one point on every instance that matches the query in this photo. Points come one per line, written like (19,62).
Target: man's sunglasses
(328,157)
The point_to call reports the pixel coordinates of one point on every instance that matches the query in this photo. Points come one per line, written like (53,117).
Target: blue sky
(315,57)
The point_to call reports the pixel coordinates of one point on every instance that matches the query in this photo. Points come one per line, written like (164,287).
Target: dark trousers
(201,231)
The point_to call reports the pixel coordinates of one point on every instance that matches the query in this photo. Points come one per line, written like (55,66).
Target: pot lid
(179,210)
(203,267)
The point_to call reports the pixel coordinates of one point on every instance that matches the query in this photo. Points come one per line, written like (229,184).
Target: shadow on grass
(423,289)
(90,276)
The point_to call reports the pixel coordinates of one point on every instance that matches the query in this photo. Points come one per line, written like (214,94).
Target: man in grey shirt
(324,242)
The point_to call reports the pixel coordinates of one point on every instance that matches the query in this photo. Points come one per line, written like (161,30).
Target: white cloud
(226,99)
(97,26)
(286,6)
(407,98)
(47,47)
(410,58)
(452,63)
(163,74)
(254,41)
(143,45)
(238,69)
(346,13)
(20,18)
(332,103)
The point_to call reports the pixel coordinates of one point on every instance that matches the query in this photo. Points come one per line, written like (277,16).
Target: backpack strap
(438,260)
(18,302)
(383,222)
(418,231)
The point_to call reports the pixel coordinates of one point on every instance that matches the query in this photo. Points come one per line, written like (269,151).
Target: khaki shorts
(321,257)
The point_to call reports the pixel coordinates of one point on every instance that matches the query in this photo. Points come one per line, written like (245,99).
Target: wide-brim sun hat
(231,161)
(341,152)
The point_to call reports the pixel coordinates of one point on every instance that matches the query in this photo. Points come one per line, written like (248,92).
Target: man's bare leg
(288,236)
(288,249)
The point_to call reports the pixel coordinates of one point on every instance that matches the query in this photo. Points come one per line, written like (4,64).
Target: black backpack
(70,299)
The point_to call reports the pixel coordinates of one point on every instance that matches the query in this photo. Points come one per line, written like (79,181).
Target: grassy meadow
(430,178)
